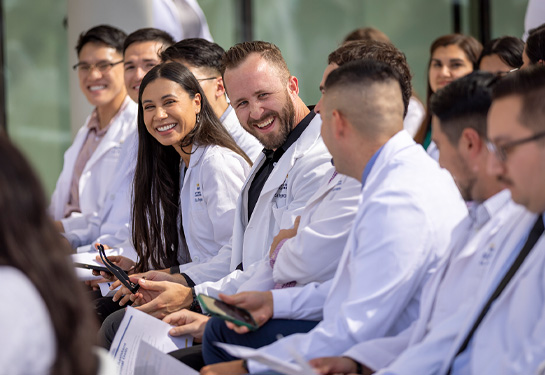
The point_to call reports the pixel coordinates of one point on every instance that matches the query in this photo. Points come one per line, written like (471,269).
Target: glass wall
(37,105)
(36,52)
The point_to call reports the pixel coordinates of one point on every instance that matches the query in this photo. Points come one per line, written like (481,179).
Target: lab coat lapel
(286,162)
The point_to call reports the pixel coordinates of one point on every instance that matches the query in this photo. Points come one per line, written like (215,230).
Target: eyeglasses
(101,66)
(206,79)
(501,151)
(117,271)
(503,74)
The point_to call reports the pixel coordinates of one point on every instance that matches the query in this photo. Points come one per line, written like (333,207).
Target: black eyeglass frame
(117,271)
(501,151)
(108,65)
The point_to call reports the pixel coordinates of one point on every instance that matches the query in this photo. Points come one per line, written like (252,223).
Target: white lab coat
(448,292)
(97,173)
(24,353)
(112,224)
(211,187)
(314,253)
(414,117)
(510,337)
(247,142)
(408,209)
(294,179)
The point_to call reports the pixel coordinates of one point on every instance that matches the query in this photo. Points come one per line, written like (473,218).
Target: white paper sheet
(105,289)
(277,364)
(137,326)
(151,361)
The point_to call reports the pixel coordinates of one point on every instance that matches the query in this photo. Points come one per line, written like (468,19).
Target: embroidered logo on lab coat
(487,255)
(281,193)
(198,194)
(338,185)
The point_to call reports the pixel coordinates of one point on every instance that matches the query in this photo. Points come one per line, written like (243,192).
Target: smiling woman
(189,166)
(451,56)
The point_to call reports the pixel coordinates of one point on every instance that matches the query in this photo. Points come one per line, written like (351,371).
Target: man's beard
(285,125)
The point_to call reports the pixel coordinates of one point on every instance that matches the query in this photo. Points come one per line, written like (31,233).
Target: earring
(198,118)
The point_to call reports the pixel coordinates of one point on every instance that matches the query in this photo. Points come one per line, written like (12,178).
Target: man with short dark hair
(459,129)
(392,246)
(504,331)
(81,189)
(285,175)
(111,225)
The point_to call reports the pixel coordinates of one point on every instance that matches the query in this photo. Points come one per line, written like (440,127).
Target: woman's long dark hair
(472,49)
(30,243)
(155,232)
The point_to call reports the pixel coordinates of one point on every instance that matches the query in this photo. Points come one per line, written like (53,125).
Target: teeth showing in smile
(166,127)
(95,88)
(137,87)
(265,123)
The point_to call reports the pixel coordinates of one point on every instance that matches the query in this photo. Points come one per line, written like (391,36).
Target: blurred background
(41,107)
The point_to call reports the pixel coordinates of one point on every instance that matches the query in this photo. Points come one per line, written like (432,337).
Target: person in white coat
(281,181)
(509,338)
(43,330)
(203,59)
(459,131)
(407,210)
(90,162)
(111,226)
(175,119)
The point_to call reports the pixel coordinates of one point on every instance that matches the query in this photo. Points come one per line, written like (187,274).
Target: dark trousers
(109,327)
(190,356)
(217,331)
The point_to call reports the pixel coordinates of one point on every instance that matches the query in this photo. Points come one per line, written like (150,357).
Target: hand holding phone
(225,311)
(91,267)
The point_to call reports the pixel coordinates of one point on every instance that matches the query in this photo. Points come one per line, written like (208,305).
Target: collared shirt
(460,364)
(369,166)
(271,158)
(94,137)
(226,113)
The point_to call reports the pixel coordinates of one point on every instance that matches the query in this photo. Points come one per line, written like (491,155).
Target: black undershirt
(271,158)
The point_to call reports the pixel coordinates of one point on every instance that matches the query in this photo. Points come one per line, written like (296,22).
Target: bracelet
(195,305)
(245,365)
(359,368)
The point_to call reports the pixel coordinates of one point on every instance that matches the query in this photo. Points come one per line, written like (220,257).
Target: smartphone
(225,311)
(91,267)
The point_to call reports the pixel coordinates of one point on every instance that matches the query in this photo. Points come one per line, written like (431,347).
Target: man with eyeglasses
(459,130)
(111,226)
(90,162)
(504,332)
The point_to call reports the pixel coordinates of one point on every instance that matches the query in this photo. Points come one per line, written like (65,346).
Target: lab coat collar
(127,113)
(481,213)
(398,142)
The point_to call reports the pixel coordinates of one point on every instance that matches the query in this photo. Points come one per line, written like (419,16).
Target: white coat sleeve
(380,352)
(301,302)
(428,356)
(314,253)
(394,239)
